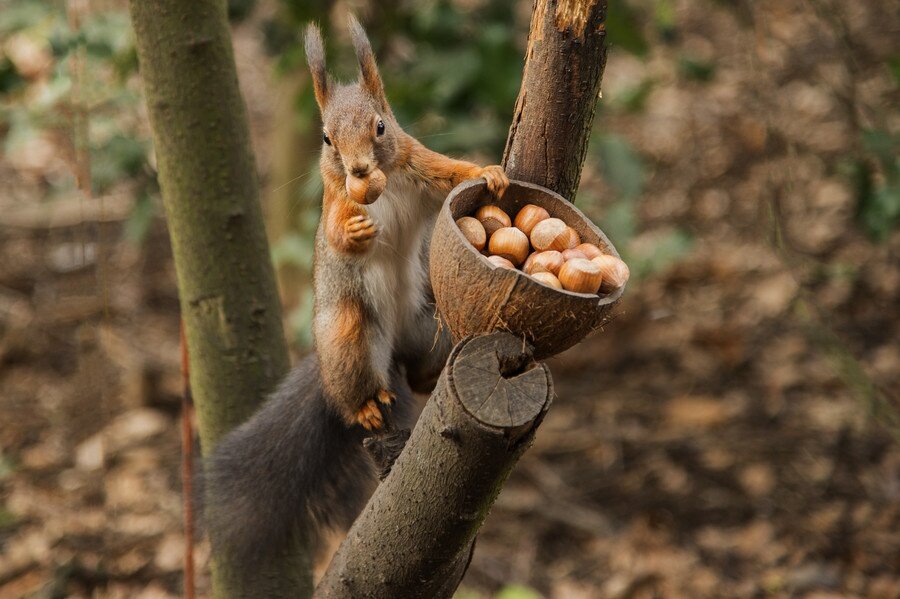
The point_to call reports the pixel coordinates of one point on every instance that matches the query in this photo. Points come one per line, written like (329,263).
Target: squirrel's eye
(379,128)
(325,139)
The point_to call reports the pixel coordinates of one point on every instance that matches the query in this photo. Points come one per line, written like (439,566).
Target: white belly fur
(394,275)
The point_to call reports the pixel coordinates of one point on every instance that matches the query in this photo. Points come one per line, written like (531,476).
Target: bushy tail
(294,467)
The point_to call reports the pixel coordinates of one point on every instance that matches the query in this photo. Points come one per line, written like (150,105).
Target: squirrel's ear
(371,80)
(315,57)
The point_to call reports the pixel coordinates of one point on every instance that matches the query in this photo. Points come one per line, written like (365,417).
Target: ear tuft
(315,58)
(371,80)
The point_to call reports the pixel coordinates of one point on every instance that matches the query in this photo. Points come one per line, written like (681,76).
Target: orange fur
(338,212)
(434,170)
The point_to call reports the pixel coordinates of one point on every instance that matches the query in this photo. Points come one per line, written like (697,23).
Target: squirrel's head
(360,132)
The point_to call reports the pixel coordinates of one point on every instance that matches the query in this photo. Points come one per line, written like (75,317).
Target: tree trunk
(229,301)
(554,112)
(416,535)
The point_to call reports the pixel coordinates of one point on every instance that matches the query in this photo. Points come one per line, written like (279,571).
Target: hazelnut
(589,250)
(501,262)
(510,243)
(547,279)
(573,253)
(529,216)
(614,271)
(553,234)
(473,231)
(580,275)
(492,218)
(365,190)
(550,261)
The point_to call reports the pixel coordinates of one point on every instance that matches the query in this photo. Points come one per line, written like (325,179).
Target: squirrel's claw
(369,416)
(496,179)
(386,397)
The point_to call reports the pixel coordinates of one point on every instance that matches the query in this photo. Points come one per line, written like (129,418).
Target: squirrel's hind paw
(369,416)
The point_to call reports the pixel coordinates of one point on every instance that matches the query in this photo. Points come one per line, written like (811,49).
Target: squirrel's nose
(360,170)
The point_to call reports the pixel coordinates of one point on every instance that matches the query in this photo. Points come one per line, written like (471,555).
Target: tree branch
(554,112)
(416,535)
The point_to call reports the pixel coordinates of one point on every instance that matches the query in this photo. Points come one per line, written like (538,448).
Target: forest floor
(727,435)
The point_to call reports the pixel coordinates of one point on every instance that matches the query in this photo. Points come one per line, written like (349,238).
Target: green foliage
(877,182)
(657,254)
(465,593)
(894,66)
(300,321)
(6,467)
(238,10)
(7,519)
(293,249)
(518,591)
(623,25)
(138,224)
(622,168)
(664,18)
(10,80)
(625,173)
(451,73)
(119,157)
(41,90)
(634,99)
(696,69)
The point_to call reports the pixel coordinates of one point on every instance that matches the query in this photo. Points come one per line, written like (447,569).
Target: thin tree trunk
(554,112)
(416,535)
(228,296)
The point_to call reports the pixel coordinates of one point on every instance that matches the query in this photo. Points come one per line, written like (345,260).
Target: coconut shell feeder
(476,297)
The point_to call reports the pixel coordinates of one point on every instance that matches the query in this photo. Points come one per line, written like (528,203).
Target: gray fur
(293,468)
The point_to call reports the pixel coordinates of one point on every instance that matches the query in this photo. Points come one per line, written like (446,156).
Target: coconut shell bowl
(475,296)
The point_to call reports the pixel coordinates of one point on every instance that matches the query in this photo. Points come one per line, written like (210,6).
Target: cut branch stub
(492,386)
(414,539)
(475,297)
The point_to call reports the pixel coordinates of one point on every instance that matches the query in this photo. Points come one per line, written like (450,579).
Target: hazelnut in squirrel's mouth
(367,189)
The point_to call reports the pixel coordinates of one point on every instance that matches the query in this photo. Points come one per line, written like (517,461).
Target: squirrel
(298,467)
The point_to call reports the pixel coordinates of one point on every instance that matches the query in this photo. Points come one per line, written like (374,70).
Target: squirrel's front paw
(369,416)
(496,179)
(359,231)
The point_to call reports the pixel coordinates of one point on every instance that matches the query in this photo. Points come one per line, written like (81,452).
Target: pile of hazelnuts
(546,248)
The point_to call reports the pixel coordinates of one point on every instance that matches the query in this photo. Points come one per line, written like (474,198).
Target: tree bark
(229,301)
(554,112)
(416,534)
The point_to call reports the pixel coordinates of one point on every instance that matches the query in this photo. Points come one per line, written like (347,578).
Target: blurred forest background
(733,432)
